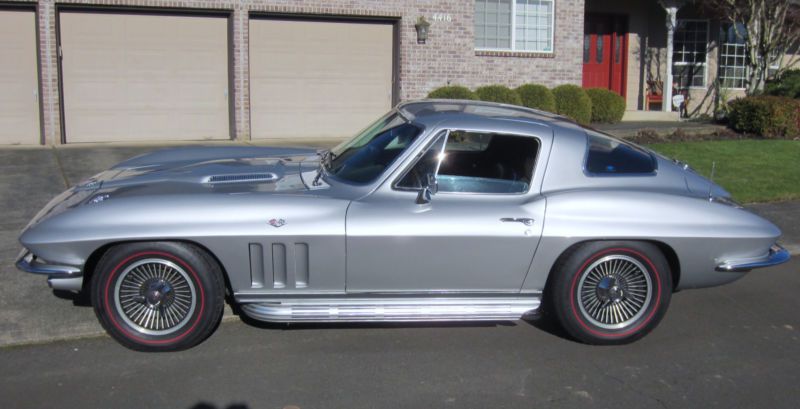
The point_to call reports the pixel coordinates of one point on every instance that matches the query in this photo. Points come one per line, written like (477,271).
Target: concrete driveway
(30,177)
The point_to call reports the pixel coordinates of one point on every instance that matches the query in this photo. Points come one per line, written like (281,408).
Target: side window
(474,162)
(609,156)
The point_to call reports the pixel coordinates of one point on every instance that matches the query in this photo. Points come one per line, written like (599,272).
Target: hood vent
(242,178)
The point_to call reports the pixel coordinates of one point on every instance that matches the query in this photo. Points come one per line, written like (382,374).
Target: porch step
(393,309)
(632,116)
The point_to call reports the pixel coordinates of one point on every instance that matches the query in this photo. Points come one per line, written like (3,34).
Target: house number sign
(441,17)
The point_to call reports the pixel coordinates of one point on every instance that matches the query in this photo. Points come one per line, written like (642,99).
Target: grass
(751,170)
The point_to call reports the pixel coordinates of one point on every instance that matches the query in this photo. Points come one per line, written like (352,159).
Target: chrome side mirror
(431,188)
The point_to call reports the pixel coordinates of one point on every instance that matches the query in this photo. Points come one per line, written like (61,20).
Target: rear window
(609,156)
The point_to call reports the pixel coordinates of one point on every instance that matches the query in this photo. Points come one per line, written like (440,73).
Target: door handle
(524,220)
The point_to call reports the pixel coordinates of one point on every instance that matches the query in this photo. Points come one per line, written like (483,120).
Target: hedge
(788,85)
(537,96)
(498,93)
(607,106)
(572,101)
(452,92)
(767,116)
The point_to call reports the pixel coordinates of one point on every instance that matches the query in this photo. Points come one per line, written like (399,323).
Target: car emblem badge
(277,222)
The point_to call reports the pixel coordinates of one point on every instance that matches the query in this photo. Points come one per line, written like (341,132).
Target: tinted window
(610,156)
(477,163)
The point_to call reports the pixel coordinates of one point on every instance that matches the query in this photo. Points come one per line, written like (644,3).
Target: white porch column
(672,13)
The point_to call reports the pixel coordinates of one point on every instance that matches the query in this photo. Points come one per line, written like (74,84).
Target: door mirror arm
(431,188)
(431,183)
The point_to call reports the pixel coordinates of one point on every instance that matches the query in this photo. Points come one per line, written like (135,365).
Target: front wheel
(611,292)
(161,296)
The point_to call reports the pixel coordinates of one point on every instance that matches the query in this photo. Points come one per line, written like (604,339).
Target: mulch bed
(648,136)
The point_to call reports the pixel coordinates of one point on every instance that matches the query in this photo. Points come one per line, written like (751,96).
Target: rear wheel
(161,296)
(611,292)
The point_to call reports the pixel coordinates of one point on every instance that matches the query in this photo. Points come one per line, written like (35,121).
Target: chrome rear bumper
(777,255)
(67,278)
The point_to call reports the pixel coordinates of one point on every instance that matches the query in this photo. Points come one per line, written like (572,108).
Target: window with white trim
(774,68)
(690,49)
(514,25)
(732,56)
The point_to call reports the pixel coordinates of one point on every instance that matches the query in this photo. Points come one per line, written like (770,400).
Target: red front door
(605,52)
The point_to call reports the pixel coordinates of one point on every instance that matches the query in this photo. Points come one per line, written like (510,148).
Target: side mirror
(431,188)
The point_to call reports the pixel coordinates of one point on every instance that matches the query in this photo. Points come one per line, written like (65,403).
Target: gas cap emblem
(277,222)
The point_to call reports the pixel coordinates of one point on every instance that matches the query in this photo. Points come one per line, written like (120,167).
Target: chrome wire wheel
(155,296)
(614,291)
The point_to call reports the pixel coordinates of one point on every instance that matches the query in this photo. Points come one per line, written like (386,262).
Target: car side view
(441,210)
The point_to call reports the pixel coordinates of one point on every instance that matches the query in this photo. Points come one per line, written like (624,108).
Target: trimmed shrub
(573,102)
(607,106)
(537,96)
(452,92)
(788,85)
(498,93)
(767,116)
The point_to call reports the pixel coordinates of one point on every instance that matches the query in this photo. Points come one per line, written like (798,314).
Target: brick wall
(449,57)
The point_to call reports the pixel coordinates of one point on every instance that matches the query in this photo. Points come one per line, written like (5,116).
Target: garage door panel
(19,100)
(313,79)
(144,77)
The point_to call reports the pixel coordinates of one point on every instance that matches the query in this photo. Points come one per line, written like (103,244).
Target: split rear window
(609,156)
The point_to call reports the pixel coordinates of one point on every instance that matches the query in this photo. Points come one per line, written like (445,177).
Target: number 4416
(442,17)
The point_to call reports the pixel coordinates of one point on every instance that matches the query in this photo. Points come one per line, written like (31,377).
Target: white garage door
(19,102)
(312,79)
(144,77)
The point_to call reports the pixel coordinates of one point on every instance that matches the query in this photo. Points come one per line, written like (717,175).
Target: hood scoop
(261,177)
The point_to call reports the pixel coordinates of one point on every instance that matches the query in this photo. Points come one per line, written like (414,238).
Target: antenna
(711,180)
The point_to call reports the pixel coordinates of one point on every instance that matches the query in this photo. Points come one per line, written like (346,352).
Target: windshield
(363,158)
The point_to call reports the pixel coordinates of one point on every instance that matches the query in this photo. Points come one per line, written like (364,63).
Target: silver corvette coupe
(438,211)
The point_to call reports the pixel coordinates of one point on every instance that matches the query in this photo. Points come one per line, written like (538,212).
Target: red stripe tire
(610,292)
(158,296)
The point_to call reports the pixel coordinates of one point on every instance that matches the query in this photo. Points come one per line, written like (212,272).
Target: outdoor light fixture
(422,30)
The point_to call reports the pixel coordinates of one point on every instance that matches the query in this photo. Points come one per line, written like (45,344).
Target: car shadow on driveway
(548,324)
(206,405)
(80,299)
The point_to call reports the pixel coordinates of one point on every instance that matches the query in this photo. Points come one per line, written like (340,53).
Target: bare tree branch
(769,29)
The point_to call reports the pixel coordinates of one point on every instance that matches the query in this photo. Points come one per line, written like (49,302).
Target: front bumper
(67,278)
(776,255)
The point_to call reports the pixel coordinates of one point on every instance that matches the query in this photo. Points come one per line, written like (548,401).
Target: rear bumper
(776,255)
(68,278)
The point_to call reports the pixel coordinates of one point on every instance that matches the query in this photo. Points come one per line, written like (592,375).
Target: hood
(226,169)
(195,170)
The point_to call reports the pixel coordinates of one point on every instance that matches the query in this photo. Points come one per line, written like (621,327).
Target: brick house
(131,70)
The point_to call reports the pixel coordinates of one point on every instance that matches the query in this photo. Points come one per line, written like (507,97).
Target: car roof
(427,109)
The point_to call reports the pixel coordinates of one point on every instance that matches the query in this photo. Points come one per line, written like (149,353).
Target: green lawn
(752,170)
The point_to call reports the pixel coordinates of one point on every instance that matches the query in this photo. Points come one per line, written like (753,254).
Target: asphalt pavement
(735,346)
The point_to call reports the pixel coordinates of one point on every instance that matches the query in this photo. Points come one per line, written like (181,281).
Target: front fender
(224,224)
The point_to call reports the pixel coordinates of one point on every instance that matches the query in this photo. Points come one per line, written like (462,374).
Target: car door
(477,234)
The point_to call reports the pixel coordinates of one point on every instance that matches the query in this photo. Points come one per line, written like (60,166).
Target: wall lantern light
(422,30)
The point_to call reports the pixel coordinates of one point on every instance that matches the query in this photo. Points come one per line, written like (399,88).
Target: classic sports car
(439,211)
